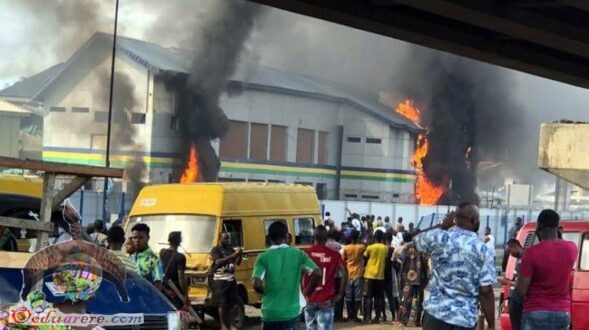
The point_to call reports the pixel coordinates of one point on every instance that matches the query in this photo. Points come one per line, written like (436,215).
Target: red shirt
(549,264)
(328,262)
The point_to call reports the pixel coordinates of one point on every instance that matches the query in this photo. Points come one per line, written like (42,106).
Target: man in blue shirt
(463,272)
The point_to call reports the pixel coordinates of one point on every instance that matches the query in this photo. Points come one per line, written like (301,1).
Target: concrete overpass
(547,38)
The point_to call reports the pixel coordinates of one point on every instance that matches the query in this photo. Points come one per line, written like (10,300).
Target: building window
(174,122)
(57,109)
(275,181)
(80,110)
(234,143)
(98,141)
(101,116)
(370,197)
(373,140)
(138,118)
(354,139)
(350,196)
(259,142)
(322,148)
(321,190)
(305,146)
(278,143)
(222,179)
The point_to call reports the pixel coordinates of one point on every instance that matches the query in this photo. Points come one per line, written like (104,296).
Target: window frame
(296,240)
(373,140)
(80,110)
(240,226)
(138,118)
(57,109)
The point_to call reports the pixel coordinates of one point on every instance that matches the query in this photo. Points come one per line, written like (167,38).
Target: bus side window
(267,223)
(234,228)
(303,229)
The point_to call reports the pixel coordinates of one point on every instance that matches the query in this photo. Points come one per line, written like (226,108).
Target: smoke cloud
(470,113)
(219,45)
(48,31)
(123,129)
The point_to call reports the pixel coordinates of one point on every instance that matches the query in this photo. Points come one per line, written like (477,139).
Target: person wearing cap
(174,264)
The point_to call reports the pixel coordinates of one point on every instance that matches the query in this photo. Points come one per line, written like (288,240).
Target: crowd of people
(363,266)
(164,270)
(368,269)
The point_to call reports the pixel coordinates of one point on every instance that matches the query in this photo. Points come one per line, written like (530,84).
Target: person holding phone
(225,260)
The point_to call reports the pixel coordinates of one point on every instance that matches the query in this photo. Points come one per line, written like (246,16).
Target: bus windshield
(198,231)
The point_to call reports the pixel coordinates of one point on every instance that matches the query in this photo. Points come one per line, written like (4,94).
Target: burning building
(281,127)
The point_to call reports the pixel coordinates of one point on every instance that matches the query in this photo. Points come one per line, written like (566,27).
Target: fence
(89,203)
(500,220)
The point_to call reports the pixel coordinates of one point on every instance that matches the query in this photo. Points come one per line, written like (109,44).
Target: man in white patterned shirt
(463,273)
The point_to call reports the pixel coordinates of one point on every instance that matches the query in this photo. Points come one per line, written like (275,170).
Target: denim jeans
(516,310)
(546,320)
(319,318)
(282,325)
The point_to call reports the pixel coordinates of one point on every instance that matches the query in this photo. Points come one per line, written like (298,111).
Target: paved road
(254,321)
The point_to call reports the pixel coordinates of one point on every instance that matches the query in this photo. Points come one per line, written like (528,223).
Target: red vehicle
(577,232)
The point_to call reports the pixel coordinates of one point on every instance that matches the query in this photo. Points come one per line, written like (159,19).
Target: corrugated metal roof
(8,107)
(28,87)
(159,59)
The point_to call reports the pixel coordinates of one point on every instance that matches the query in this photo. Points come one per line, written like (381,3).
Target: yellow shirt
(377,258)
(353,256)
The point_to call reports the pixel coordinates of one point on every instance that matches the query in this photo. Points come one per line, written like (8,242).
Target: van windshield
(198,231)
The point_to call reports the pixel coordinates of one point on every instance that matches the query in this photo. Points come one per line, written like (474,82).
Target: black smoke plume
(469,112)
(219,45)
(123,129)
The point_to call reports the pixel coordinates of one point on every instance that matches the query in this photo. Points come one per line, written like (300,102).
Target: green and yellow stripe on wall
(168,161)
(99,159)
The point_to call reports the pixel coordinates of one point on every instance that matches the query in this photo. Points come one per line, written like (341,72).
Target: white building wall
(75,130)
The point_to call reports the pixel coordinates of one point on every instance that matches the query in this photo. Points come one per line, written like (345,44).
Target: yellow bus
(201,211)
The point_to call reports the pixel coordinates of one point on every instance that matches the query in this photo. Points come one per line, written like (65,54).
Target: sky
(36,34)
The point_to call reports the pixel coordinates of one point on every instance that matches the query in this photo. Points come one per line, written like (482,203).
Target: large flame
(190,174)
(426,192)
(409,111)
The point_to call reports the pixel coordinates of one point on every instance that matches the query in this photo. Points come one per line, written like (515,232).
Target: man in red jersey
(320,304)
(545,277)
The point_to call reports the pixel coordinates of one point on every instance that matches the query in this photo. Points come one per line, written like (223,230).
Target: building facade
(283,127)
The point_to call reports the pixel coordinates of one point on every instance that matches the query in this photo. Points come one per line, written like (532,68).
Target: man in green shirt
(148,263)
(277,276)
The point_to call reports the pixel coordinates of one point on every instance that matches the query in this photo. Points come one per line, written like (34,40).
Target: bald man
(463,272)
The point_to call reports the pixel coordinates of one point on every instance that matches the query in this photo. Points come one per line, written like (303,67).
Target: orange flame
(409,111)
(426,192)
(190,174)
